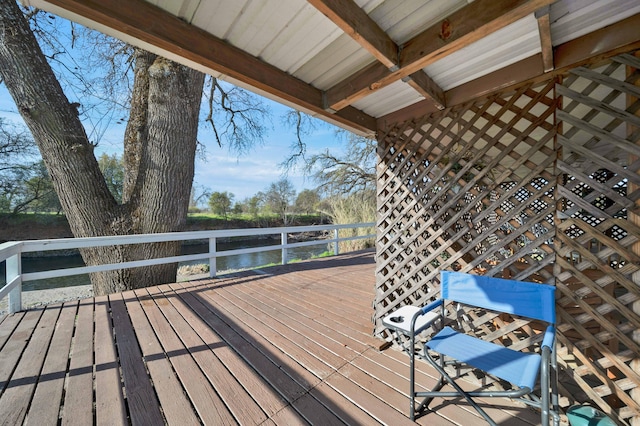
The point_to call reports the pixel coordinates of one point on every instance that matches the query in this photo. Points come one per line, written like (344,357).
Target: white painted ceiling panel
(404,19)
(261,23)
(512,43)
(571,19)
(294,37)
(389,99)
(217,17)
(306,35)
(334,63)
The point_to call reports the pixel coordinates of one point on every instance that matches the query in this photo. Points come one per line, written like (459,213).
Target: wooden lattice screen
(598,251)
(539,184)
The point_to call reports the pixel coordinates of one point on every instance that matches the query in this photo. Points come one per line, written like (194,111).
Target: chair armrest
(431,306)
(549,337)
(424,311)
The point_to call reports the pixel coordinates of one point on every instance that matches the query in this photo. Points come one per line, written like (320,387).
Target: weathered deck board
(110,408)
(290,346)
(15,399)
(45,406)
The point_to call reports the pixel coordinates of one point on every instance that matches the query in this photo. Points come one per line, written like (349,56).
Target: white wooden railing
(11,252)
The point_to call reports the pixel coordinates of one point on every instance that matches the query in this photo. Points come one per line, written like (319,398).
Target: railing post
(213,266)
(13,271)
(336,244)
(283,241)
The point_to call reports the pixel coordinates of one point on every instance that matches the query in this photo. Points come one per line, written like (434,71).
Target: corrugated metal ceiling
(295,37)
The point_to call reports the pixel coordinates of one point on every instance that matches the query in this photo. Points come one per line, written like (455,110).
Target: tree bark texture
(160,145)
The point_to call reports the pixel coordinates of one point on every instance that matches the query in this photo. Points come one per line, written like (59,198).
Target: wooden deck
(288,346)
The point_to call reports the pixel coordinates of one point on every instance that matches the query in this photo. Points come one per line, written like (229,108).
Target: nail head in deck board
(176,407)
(78,399)
(110,408)
(45,405)
(16,397)
(141,398)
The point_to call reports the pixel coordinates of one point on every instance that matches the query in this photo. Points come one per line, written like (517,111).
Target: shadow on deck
(287,345)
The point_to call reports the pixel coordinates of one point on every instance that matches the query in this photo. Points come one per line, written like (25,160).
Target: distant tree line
(25,186)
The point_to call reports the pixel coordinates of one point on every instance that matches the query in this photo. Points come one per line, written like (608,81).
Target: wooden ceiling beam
(621,37)
(347,15)
(544,29)
(145,22)
(351,19)
(463,27)
(428,88)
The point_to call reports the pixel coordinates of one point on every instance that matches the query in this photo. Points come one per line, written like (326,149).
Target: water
(243,261)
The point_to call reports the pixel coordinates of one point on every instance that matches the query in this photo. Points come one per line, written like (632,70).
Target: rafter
(138,20)
(544,29)
(593,47)
(428,88)
(463,27)
(358,25)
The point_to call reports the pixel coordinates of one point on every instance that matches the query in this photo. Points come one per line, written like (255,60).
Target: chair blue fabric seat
(530,358)
(520,368)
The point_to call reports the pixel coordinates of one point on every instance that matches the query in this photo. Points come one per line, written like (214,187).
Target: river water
(243,261)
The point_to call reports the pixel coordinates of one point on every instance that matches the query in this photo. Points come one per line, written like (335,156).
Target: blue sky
(222,170)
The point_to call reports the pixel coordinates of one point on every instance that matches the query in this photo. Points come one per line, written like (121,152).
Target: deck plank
(9,323)
(16,342)
(290,345)
(277,347)
(235,397)
(176,406)
(15,400)
(210,407)
(247,346)
(143,405)
(110,407)
(78,401)
(47,399)
(269,400)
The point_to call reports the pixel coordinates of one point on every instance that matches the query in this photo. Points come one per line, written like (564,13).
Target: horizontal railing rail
(11,252)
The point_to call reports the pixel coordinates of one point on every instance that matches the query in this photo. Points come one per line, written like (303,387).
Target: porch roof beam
(591,48)
(463,27)
(544,29)
(351,19)
(143,21)
(347,15)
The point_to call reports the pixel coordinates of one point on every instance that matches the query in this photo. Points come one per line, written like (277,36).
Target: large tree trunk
(159,152)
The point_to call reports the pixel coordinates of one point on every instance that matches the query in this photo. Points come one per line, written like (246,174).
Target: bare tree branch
(241,116)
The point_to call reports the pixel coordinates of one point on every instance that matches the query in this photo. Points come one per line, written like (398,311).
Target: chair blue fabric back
(531,300)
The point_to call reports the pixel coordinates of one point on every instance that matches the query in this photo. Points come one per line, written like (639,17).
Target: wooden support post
(13,271)
(213,258)
(284,248)
(634,218)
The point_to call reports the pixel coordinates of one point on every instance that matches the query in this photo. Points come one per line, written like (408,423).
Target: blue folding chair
(521,369)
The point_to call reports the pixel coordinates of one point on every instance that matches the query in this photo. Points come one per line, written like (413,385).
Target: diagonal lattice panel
(540,184)
(597,238)
(470,189)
